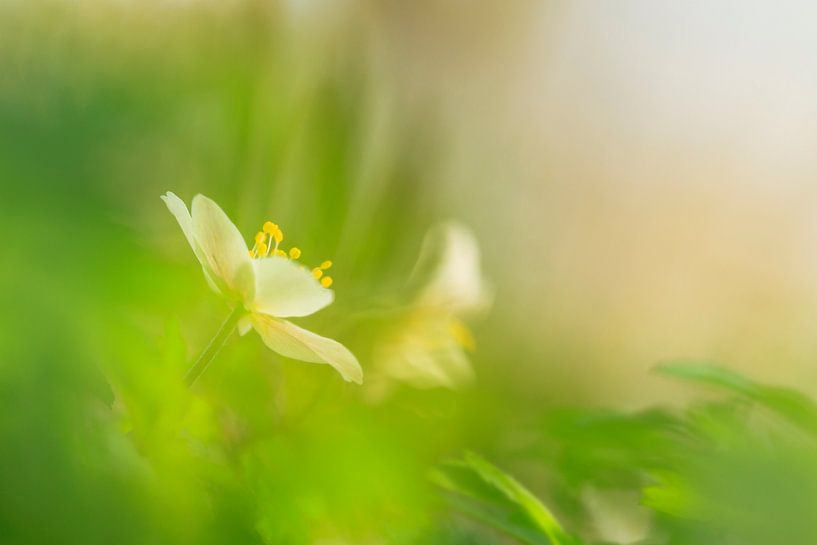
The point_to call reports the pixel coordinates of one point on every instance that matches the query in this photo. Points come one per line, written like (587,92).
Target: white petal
(182,215)
(180,212)
(283,288)
(457,282)
(425,353)
(294,342)
(425,364)
(244,325)
(223,248)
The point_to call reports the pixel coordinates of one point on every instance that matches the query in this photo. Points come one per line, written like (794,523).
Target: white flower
(427,348)
(264,282)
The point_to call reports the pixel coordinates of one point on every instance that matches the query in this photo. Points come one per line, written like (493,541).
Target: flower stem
(215,345)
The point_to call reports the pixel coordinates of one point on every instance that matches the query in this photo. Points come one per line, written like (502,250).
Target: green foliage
(791,405)
(740,469)
(488,494)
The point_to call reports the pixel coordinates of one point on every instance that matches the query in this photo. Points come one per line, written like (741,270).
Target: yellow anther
(317,273)
(262,248)
(252,254)
(270,228)
(280,253)
(278,235)
(294,253)
(326,265)
(259,237)
(326,281)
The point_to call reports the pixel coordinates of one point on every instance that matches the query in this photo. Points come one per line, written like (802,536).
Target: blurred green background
(356,126)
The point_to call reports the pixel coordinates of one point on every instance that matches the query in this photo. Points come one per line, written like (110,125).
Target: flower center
(268,244)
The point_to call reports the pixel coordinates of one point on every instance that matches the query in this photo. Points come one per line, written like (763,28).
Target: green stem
(215,344)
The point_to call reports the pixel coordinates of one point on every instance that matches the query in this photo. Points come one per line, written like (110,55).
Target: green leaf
(490,495)
(793,406)
(607,449)
(708,374)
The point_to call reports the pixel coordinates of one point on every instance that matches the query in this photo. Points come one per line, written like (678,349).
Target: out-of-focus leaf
(490,495)
(795,407)
(609,449)
(708,374)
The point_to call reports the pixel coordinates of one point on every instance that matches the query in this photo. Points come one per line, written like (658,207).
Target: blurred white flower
(427,347)
(617,516)
(264,283)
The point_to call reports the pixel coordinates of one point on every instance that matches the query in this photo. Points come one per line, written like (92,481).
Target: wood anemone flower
(428,345)
(263,283)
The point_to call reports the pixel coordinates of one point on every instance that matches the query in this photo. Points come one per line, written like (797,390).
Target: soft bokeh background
(640,176)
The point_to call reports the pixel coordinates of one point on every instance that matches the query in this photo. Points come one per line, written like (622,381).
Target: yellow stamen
(259,237)
(294,253)
(326,265)
(262,248)
(252,254)
(270,227)
(317,273)
(326,281)
(280,253)
(278,235)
